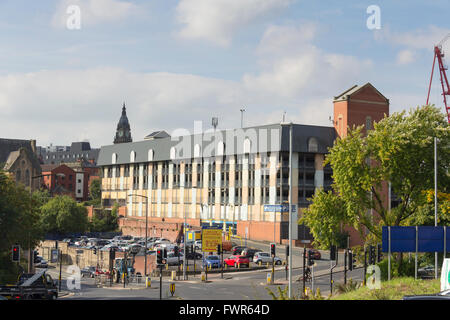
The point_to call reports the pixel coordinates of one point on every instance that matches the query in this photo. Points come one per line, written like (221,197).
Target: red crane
(439,55)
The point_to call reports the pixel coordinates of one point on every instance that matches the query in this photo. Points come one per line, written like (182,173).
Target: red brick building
(71,179)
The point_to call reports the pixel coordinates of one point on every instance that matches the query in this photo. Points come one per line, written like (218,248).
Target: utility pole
(289,211)
(242,117)
(435,203)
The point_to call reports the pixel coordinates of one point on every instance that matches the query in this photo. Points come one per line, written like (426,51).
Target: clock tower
(123,132)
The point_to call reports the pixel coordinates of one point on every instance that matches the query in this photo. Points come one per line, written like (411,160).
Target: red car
(237,260)
(315,254)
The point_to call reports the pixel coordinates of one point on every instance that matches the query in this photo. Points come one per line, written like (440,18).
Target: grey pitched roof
(346,94)
(157,135)
(265,138)
(9,145)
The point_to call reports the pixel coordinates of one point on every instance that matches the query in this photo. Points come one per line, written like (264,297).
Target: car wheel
(278,262)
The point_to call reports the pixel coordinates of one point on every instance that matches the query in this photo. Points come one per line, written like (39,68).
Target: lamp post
(146,231)
(436,140)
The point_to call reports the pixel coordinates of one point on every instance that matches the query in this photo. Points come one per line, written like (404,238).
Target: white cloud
(93,11)
(298,78)
(405,57)
(424,38)
(217,21)
(293,67)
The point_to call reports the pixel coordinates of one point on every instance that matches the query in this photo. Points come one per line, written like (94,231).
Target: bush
(406,270)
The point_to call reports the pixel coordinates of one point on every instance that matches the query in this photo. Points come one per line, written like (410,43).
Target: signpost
(211,237)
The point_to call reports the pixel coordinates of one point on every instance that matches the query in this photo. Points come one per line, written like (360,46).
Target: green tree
(95,190)
(18,224)
(325,217)
(399,149)
(62,215)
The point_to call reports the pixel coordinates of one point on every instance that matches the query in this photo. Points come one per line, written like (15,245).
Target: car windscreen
(212,258)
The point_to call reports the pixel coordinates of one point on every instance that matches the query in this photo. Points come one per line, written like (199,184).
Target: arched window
(27,177)
(313,145)
(151,154)
(173,153)
(368,123)
(114,158)
(247,145)
(18,175)
(197,151)
(220,148)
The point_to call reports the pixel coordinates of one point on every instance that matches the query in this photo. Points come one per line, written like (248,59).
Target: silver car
(265,257)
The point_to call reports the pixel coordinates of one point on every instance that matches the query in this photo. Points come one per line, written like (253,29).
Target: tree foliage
(325,216)
(18,223)
(63,215)
(399,149)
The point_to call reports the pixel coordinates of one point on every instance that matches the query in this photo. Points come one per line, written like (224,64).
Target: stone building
(19,160)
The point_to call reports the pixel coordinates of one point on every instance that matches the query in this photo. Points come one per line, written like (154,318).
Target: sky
(67,66)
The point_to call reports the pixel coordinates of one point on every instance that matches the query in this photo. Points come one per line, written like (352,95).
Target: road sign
(211,237)
(279,208)
(54,255)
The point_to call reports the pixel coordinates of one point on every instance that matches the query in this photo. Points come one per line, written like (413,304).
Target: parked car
(265,257)
(250,252)
(236,260)
(315,254)
(40,262)
(237,250)
(190,255)
(88,272)
(198,244)
(443,295)
(212,262)
(173,260)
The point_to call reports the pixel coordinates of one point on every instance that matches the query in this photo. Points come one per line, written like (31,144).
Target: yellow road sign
(211,237)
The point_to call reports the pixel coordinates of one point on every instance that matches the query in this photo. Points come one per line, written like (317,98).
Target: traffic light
(272,249)
(351,260)
(371,255)
(159,256)
(333,253)
(310,257)
(35,256)
(380,253)
(176,251)
(112,254)
(15,253)
(219,249)
(287,250)
(95,250)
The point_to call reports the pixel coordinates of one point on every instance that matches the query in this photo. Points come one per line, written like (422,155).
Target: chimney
(33,146)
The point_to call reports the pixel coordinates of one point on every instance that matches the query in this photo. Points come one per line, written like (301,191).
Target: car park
(237,261)
(265,257)
(212,262)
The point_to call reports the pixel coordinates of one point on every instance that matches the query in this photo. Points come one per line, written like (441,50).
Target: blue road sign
(403,239)
(279,208)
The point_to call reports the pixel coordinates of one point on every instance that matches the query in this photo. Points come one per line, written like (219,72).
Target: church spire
(123,132)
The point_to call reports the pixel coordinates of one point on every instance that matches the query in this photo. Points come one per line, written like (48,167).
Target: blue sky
(177,61)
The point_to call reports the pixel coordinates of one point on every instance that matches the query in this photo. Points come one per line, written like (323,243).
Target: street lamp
(146,230)
(436,140)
